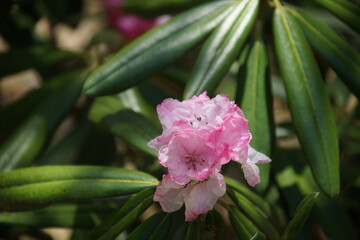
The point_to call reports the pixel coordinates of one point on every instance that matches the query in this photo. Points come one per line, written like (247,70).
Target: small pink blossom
(198,196)
(130,25)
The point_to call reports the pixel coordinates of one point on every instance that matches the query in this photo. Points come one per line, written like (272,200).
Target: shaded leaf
(301,214)
(156,49)
(254,214)
(243,227)
(253,197)
(37,187)
(345,10)
(344,59)
(110,114)
(187,231)
(30,138)
(156,227)
(221,49)
(40,57)
(70,215)
(308,102)
(126,215)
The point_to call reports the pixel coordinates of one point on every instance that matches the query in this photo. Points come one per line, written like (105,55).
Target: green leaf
(258,236)
(254,96)
(246,192)
(345,10)
(30,138)
(137,130)
(215,225)
(37,187)
(309,104)
(254,214)
(156,49)
(126,215)
(344,59)
(244,228)
(133,100)
(156,227)
(301,214)
(86,215)
(221,49)
(187,231)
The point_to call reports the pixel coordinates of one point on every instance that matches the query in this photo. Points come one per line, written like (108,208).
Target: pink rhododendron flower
(130,25)
(199,136)
(198,196)
(218,115)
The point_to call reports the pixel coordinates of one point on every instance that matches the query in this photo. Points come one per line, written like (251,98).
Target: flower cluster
(199,136)
(130,25)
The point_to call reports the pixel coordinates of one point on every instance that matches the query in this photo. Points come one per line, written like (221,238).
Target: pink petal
(251,170)
(257,157)
(169,194)
(203,196)
(251,173)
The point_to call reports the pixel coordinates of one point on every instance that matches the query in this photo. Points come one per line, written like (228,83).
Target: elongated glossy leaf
(222,48)
(243,227)
(246,192)
(215,225)
(133,100)
(123,217)
(301,214)
(134,128)
(308,102)
(70,215)
(187,231)
(253,213)
(27,142)
(258,236)
(345,10)
(254,97)
(156,227)
(155,49)
(344,59)
(37,187)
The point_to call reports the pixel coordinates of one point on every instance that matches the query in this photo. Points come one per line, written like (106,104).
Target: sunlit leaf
(308,102)
(222,48)
(156,49)
(254,98)
(37,187)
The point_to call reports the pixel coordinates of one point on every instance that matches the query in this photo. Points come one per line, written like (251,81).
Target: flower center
(192,160)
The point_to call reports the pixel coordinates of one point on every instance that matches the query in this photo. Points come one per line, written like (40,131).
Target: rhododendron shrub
(199,136)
